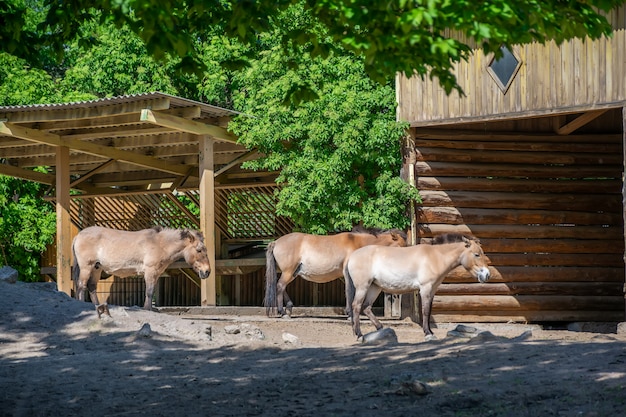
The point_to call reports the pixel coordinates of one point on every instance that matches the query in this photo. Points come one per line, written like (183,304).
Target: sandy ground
(58,359)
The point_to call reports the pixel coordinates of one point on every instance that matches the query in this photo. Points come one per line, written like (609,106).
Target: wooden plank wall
(237,290)
(577,75)
(548,210)
(249,290)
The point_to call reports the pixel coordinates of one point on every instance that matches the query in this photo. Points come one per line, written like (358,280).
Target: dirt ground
(58,359)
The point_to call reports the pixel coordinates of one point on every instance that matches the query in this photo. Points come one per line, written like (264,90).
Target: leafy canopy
(27,226)
(408,36)
(339,155)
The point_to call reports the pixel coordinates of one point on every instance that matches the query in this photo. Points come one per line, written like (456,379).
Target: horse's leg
(151,279)
(81,283)
(427,296)
(370,298)
(288,303)
(92,286)
(285,278)
(347,284)
(357,303)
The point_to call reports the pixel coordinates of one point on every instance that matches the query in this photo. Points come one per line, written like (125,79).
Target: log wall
(548,211)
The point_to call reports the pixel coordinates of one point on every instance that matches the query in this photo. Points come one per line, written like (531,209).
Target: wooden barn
(531,161)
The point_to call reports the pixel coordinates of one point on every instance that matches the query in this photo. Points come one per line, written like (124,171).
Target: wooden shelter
(121,162)
(531,161)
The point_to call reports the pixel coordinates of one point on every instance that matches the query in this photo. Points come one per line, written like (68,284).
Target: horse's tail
(75,269)
(350,290)
(270,280)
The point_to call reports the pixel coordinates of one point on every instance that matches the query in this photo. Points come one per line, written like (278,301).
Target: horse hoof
(103,309)
(286,317)
(430,337)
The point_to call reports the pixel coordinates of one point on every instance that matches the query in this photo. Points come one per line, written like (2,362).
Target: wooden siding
(576,76)
(548,210)
(177,289)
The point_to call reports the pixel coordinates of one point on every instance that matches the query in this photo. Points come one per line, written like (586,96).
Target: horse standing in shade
(316,258)
(122,253)
(373,269)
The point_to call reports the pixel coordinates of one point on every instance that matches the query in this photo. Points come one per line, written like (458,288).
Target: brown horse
(122,253)
(316,258)
(373,269)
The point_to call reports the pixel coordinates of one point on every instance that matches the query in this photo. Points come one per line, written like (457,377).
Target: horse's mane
(378,231)
(451,238)
(184,233)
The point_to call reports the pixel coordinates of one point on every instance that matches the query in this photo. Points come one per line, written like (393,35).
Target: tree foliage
(27,226)
(409,36)
(339,155)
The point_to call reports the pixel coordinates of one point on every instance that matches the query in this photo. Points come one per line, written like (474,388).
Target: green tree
(27,226)
(409,36)
(117,64)
(338,156)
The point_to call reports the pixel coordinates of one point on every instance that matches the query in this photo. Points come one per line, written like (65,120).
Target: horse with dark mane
(373,269)
(316,258)
(123,253)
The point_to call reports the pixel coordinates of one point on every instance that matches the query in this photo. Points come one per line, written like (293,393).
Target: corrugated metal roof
(175,101)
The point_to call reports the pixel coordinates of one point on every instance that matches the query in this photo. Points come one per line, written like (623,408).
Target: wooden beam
(64,225)
(13,142)
(580,121)
(92,172)
(109,133)
(208,287)
(508,116)
(186,125)
(108,152)
(444,133)
(239,159)
(26,174)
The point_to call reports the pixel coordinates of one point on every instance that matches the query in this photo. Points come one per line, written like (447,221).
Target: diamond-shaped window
(504,69)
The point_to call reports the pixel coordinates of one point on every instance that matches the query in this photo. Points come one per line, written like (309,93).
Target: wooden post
(237,295)
(208,295)
(624,193)
(410,304)
(413,240)
(64,225)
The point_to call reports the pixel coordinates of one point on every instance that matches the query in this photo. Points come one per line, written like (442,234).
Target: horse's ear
(467,242)
(186,234)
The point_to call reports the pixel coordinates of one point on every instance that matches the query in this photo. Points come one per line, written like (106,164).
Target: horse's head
(195,253)
(474,260)
(393,237)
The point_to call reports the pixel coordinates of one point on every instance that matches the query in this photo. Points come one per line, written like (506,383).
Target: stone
(232,329)
(8,275)
(291,339)
(384,335)
(252,332)
(145,331)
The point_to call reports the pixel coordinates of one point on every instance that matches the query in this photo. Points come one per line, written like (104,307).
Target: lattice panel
(241,213)
(249,213)
(132,212)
